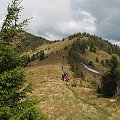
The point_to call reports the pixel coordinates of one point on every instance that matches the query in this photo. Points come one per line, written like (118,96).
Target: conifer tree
(97,60)
(13,85)
(111,79)
(42,55)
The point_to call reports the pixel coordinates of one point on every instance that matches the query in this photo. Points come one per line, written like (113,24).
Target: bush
(66,48)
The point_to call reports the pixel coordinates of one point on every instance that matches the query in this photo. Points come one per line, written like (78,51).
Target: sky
(56,19)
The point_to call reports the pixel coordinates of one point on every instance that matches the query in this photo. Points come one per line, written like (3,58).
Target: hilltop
(77,100)
(30,42)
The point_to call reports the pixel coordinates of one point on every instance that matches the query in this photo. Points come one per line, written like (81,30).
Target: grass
(61,101)
(64,102)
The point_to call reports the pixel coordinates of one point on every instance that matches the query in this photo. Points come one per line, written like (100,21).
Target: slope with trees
(30,42)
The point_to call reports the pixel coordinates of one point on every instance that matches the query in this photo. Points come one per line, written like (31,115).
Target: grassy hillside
(67,102)
(77,100)
(101,52)
(31,42)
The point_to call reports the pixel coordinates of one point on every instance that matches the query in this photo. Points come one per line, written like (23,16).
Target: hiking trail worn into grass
(58,100)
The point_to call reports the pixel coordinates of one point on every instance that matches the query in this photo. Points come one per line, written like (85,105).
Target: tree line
(110,81)
(98,42)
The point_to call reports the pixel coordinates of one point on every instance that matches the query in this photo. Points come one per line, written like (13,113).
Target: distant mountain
(96,43)
(92,51)
(89,47)
(31,42)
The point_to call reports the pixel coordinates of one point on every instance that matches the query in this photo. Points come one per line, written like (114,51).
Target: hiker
(64,75)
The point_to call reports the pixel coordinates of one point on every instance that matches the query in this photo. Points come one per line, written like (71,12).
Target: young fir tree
(102,62)
(97,60)
(42,55)
(110,84)
(13,85)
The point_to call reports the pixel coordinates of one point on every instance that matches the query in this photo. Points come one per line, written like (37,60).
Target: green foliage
(66,48)
(109,83)
(13,85)
(9,59)
(77,71)
(33,57)
(92,47)
(79,47)
(42,55)
(21,112)
(25,60)
(76,49)
(11,81)
(91,63)
(97,60)
(11,29)
(75,66)
(30,42)
(102,63)
(96,42)
(107,63)
(93,84)
(74,35)
(39,55)
(104,45)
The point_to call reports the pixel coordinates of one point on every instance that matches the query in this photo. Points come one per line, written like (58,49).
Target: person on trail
(64,75)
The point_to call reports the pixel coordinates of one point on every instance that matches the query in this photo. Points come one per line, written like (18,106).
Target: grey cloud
(60,18)
(57,18)
(107,16)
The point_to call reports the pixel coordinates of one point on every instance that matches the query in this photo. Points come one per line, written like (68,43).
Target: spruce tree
(97,60)
(42,55)
(13,85)
(110,80)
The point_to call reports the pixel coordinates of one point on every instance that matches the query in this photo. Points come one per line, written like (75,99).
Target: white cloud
(1,22)
(57,19)
(106,13)
(115,42)
(60,18)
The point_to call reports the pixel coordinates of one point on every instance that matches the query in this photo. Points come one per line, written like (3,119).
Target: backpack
(67,77)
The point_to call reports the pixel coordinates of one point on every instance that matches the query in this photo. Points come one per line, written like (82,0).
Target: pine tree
(110,80)
(102,62)
(42,55)
(97,60)
(13,85)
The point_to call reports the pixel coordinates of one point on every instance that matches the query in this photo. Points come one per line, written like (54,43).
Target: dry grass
(61,101)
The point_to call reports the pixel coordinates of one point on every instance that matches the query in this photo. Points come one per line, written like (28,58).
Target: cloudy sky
(55,19)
